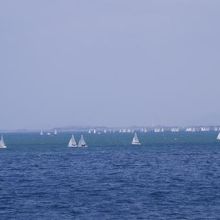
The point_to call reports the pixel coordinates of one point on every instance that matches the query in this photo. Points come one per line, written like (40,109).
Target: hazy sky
(109,62)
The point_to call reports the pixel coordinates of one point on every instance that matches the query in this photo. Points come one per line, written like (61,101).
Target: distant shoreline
(128,129)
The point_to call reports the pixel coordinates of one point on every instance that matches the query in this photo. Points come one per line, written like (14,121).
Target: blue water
(173,176)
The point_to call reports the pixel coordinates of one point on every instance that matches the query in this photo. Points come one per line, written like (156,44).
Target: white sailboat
(55,132)
(82,142)
(218,137)
(41,132)
(2,143)
(72,142)
(135,140)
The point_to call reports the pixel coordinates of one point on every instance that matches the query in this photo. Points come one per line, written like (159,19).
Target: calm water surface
(173,176)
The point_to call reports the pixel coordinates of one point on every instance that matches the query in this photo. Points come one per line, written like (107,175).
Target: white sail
(135,140)
(82,142)
(72,142)
(55,132)
(41,132)
(218,137)
(2,143)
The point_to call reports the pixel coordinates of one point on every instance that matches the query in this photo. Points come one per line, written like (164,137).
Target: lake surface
(172,176)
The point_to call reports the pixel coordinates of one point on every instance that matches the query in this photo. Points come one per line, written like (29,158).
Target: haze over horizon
(109,63)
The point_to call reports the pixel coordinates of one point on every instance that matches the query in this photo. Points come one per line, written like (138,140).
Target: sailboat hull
(136,143)
(82,146)
(3,147)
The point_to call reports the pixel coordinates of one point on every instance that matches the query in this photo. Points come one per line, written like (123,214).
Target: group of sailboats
(72,142)
(82,143)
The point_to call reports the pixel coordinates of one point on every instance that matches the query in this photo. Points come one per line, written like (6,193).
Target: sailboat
(82,142)
(41,132)
(72,142)
(55,132)
(218,137)
(2,143)
(135,140)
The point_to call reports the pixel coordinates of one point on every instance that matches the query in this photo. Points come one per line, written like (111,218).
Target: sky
(109,63)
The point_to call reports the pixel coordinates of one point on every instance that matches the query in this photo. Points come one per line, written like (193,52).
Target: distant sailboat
(41,132)
(55,132)
(135,140)
(218,137)
(2,143)
(72,142)
(82,142)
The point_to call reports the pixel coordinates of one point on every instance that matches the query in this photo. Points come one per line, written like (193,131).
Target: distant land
(120,129)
